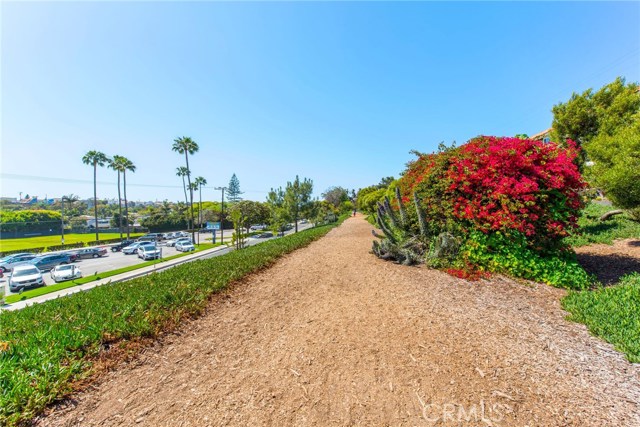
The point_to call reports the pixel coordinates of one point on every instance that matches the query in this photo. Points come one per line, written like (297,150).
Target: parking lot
(115,260)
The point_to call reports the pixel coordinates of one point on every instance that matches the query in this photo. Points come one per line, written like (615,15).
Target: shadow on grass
(609,268)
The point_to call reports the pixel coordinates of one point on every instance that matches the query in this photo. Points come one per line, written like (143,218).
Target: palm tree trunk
(199,210)
(126,205)
(186,157)
(95,197)
(119,207)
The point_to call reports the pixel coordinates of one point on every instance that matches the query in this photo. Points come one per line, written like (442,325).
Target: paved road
(115,260)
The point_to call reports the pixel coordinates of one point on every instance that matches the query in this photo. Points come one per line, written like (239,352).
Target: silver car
(148,251)
(8,262)
(25,276)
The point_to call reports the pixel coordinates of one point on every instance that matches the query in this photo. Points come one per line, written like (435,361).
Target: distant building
(102,223)
(544,136)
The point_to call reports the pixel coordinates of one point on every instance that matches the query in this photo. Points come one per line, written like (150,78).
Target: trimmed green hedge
(44,348)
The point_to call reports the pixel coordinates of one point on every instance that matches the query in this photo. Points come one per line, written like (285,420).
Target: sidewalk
(112,279)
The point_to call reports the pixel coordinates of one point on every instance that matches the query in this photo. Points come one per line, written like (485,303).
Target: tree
(186,146)
(95,159)
(616,168)
(128,166)
(586,115)
(182,172)
(297,196)
(252,212)
(200,182)
(336,195)
(280,215)
(117,164)
(384,182)
(233,191)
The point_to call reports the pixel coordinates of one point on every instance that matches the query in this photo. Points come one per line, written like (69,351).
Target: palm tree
(182,171)
(185,145)
(128,166)
(95,158)
(117,164)
(199,182)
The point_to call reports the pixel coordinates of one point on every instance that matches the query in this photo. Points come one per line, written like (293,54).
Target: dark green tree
(233,190)
(297,197)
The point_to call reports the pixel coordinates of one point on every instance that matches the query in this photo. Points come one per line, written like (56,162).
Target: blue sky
(337,92)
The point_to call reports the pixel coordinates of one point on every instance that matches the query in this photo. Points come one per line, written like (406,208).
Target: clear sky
(337,92)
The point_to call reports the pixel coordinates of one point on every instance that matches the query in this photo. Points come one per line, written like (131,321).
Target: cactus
(421,221)
(403,213)
(398,242)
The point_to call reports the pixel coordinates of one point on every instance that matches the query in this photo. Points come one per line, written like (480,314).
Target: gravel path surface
(331,335)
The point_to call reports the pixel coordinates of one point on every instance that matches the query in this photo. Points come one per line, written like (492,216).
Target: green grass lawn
(612,314)
(592,230)
(45,241)
(64,285)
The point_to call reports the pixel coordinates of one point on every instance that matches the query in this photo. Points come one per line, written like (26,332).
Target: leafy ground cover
(46,241)
(611,313)
(44,348)
(64,285)
(592,230)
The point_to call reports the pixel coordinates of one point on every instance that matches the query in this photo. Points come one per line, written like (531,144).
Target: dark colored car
(47,262)
(264,235)
(118,247)
(89,253)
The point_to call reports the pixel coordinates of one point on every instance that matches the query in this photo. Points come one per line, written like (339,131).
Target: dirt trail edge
(330,335)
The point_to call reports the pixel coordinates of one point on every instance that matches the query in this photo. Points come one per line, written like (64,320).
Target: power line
(87,181)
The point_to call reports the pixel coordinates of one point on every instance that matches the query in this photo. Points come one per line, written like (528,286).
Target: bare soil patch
(331,335)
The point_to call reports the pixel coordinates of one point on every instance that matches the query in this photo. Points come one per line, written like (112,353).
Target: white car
(64,272)
(178,240)
(185,246)
(25,276)
(258,227)
(132,248)
(148,251)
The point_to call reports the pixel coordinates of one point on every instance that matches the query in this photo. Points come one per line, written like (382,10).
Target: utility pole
(221,215)
(62,221)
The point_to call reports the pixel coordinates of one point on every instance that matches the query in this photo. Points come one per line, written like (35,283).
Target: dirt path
(333,336)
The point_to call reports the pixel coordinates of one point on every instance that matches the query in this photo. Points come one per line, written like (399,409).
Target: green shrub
(498,253)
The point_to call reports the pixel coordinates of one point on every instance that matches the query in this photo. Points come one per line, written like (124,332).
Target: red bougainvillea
(500,184)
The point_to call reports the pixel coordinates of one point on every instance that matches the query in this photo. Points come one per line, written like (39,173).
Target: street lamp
(221,215)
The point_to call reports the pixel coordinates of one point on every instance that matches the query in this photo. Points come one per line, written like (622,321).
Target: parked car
(179,234)
(47,262)
(257,227)
(148,251)
(185,246)
(119,246)
(89,252)
(304,221)
(176,241)
(61,273)
(132,248)
(25,276)
(7,263)
(264,235)
(151,237)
